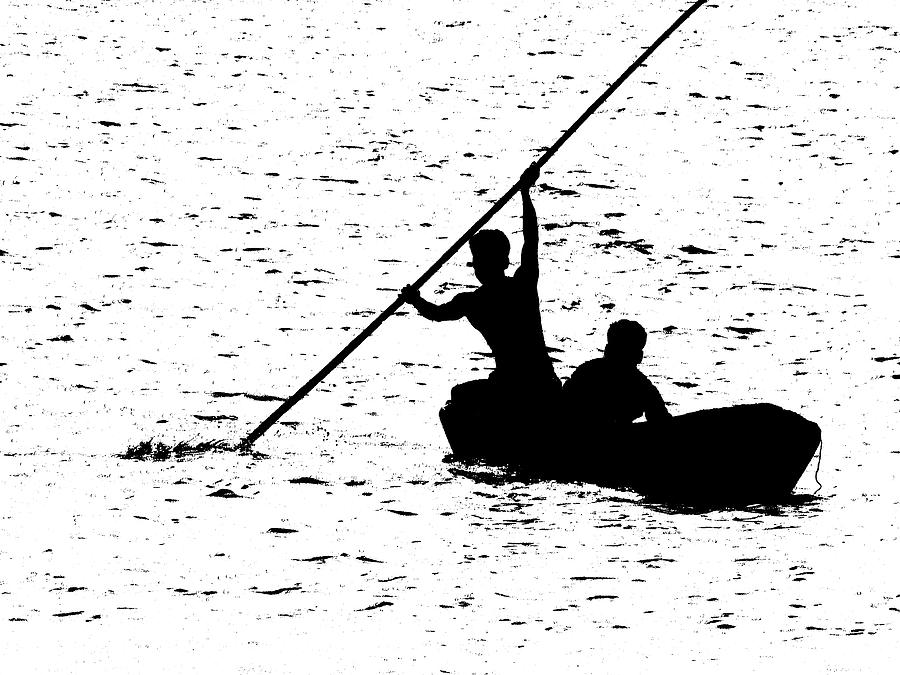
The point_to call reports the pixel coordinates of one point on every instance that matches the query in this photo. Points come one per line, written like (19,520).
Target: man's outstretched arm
(529,266)
(450,311)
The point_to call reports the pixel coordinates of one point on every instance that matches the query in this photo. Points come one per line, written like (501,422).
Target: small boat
(742,454)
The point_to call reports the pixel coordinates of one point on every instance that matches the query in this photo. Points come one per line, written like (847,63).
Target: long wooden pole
(458,244)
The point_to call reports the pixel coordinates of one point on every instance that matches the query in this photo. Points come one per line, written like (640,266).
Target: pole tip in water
(160,451)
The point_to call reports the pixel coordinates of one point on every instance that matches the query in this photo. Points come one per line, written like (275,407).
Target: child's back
(611,390)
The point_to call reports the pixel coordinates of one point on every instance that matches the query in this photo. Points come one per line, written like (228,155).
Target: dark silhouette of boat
(744,454)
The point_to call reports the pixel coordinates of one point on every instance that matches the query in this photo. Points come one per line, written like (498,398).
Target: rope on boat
(819,464)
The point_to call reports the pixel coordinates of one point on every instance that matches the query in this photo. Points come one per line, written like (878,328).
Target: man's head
(490,254)
(625,341)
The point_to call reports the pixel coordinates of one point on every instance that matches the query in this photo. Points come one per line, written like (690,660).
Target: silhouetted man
(506,311)
(611,390)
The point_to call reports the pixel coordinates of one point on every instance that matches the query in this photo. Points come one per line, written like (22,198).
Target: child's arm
(450,311)
(654,406)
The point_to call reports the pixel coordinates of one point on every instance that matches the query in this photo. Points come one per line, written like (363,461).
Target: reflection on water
(796,505)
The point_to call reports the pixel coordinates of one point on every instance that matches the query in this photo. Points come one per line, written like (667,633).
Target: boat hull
(741,454)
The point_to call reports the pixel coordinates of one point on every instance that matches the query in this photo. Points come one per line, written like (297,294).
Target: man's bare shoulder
(464,296)
(526,274)
(462,302)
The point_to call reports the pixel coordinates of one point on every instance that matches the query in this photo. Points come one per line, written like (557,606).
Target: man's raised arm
(529,266)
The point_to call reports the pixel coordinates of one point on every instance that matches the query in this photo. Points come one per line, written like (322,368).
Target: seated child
(611,390)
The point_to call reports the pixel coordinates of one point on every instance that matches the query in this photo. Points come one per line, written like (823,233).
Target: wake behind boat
(742,454)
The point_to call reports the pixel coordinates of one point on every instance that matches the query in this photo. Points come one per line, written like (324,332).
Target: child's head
(625,341)
(490,254)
